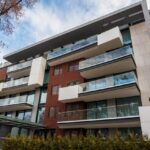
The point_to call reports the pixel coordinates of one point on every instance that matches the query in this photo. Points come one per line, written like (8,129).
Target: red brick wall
(3,74)
(52,100)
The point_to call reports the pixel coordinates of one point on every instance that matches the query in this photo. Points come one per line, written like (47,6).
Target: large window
(20,115)
(30,98)
(97,110)
(57,70)
(126,36)
(27,116)
(127,106)
(24,115)
(46,77)
(43,96)
(40,117)
(74,66)
(55,90)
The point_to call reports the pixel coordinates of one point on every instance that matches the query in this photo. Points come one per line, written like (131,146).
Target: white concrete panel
(144,113)
(110,35)
(69,92)
(37,71)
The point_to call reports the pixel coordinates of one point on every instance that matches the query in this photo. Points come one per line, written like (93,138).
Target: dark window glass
(126,36)
(20,115)
(127,106)
(40,117)
(30,98)
(43,95)
(27,116)
(97,110)
(46,77)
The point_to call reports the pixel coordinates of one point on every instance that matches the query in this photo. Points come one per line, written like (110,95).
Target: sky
(50,17)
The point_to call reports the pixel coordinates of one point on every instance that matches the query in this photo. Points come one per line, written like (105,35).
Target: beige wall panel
(37,71)
(141,46)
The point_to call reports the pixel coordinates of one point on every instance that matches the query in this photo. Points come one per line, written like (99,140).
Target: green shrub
(132,142)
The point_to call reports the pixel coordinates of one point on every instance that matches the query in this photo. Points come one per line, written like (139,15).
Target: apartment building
(92,79)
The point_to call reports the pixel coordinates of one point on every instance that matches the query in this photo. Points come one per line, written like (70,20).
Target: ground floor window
(127,106)
(96,110)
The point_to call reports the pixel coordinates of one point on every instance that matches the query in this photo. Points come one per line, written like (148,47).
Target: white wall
(70,92)
(37,71)
(145,120)
(110,35)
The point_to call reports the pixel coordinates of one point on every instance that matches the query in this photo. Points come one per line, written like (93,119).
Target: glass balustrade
(127,110)
(17,82)
(14,100)
(19,66)
(72,47)
(106,57)
(109,82)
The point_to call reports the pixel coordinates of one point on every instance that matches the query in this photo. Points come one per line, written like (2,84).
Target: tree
(10,10)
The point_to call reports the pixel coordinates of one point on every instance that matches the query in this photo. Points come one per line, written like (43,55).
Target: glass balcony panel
(17,82)
(117,80)
(100,113)
(109,56)
(19,66)
(72,47)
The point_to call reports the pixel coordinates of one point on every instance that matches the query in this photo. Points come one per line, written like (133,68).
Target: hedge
(132,142)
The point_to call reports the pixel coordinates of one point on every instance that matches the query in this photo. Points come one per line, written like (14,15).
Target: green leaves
(132,142)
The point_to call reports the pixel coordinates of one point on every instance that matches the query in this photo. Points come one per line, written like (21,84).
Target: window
(46,77)
(74,66)
(30,98)
(126,36)
(40,117)
(43,95)
(74,83)
(20,115)
(55,89)
(71,107)
(27,116)
(97,110)
(57,70)
(127,106)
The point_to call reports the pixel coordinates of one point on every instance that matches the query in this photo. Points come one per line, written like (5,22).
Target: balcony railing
(72,47)
(14,100)
(19,66)
(109,82)
(100,59)
(100,113)
(17,82)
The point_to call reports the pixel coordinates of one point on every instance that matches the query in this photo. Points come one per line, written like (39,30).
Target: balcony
(19,70)
(15,104)
(15,83)
(14,86)
(86,48)
(108,117)
(117,86)
(119,60)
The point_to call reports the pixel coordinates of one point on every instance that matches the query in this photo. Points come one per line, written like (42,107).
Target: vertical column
(146,15)
(111,104)
(35,105)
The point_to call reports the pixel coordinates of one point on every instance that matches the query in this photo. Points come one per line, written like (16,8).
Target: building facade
(92,79)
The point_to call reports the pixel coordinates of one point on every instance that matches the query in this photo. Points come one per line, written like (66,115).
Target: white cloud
(44,21)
